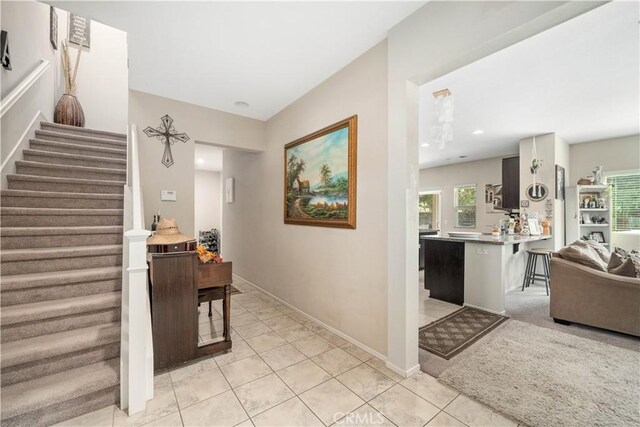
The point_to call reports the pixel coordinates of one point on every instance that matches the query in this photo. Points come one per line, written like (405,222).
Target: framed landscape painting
(320,177)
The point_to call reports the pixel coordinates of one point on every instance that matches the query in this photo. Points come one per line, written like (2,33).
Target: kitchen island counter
(507,239)
(478,271)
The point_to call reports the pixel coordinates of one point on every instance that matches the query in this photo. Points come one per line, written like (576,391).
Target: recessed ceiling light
(478,132)
(426,144)
(200,161)
(241,104)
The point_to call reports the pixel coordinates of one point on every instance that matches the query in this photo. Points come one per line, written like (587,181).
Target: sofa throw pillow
(600,249)
(623,255)
(614,262)
(582,253)
(635,258)
(626,269)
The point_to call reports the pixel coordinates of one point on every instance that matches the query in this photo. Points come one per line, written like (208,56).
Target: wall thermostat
(168,195)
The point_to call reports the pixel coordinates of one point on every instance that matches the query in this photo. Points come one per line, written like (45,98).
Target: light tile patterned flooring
(285,370)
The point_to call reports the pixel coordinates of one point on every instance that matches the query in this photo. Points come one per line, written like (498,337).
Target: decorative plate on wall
(540,192)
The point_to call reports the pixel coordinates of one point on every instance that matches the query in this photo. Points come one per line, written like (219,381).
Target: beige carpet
(543,377)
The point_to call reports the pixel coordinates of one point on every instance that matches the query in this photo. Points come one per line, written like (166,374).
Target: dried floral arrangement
(69,77)
(206,256)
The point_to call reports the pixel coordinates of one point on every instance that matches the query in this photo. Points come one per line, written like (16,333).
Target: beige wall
(208,200)
(616,154)
(335,275)
(200,124)
(445,178)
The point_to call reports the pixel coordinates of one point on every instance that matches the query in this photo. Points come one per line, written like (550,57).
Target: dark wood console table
(176,280)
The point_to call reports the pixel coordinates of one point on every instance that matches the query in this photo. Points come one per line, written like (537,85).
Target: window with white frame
(429,209)
(464,206)
(625,201)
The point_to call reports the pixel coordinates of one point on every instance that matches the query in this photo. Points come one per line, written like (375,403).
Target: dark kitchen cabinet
(444,270)
(511,183)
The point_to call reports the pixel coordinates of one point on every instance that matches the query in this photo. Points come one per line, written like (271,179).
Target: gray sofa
(584,295)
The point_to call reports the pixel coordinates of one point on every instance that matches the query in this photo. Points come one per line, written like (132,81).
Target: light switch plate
(168,195)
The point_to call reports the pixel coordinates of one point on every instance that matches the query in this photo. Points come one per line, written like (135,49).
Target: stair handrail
(136,379)
(12,97)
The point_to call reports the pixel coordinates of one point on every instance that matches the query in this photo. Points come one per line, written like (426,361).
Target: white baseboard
(28,134)
(402,372)
(501,313)
(324,325)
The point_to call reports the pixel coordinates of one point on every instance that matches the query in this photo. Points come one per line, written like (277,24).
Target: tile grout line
(175,396)
(234,393)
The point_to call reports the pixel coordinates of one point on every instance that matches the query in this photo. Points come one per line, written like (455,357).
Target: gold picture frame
(320,177)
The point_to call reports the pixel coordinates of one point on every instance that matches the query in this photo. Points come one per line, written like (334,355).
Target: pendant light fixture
(442,123)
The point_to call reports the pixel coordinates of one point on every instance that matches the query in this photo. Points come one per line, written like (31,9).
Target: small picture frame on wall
(229,190)
(53,27)
(79,30)
(560,182)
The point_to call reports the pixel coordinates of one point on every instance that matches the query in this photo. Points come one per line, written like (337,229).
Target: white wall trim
(13,96)
(324,325)
(401,372)
(26,135)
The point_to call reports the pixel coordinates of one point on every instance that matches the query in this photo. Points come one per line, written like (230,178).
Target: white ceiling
(267,54)
(579,80)
(208,157)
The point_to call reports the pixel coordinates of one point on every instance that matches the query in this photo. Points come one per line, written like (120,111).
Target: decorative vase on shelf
(69,111)
(597,173)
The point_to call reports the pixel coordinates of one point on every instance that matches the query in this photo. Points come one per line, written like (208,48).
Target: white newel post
(137,352)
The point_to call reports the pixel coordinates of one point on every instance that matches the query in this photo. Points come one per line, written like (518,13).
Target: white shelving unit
(589,218)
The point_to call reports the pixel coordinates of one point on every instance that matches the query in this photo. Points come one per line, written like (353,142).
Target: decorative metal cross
(167,134)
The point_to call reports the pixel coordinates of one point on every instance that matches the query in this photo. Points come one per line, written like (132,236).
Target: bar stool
(530,275)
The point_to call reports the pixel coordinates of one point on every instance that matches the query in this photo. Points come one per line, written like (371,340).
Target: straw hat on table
(168,233)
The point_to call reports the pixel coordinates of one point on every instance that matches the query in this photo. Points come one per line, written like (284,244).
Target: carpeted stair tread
(49,134)
(67,342)
(38,311)
(38,254)
(60,180)
(54,231)
(88,148)
(118,174)
(74,129)
(58,195)
(64,147)
(58,278)
(42,392)
(62,157)
(60,211)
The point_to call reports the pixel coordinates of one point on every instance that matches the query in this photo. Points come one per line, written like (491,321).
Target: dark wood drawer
(173,247)
(211,275)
